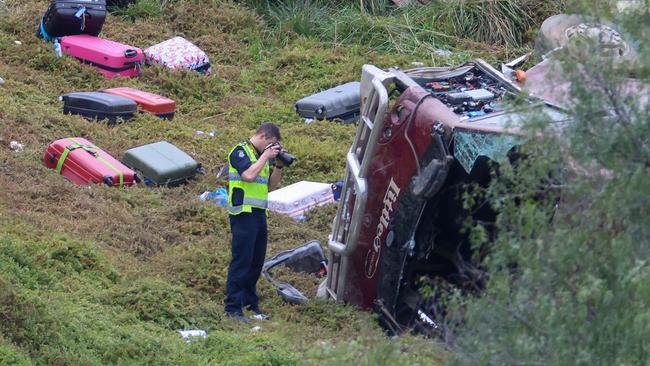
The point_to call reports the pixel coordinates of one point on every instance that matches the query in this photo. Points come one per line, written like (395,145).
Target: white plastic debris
(18,42)
(219,197)
(309,120)
(2,81)
(442,52)
(193,333)
(16,146)
(212,133)
(417,63)
(256,328)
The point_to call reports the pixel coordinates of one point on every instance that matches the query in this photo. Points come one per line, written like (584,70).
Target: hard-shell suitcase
(95,105)
(148,102)
(83,163)
(72,17)
(341,102)
(109,57)
(161,163)
(178,53)
(296,199)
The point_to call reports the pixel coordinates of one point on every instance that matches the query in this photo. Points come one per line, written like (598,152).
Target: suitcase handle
(130,53)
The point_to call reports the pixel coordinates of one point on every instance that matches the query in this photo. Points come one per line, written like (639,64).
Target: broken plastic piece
(520,75)
(308,258)
(189,334)
(16,146)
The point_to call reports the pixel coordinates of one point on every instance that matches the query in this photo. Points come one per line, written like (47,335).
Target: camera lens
(286,158)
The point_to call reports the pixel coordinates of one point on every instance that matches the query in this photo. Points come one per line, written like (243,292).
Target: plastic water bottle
(57,48)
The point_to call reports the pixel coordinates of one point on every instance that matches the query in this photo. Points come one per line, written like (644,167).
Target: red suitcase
(83,163)
(148,102)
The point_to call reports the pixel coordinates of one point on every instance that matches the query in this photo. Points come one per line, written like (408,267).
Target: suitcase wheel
(136,178)
(53,158)
(130,53)
(108,181)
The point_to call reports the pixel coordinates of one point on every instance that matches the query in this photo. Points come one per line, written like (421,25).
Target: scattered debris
(417,63)
(520,75)
(256,328)
(194,333)
(219,197)
(16,146)
(441,52)
(308,258)
(223,171)
(212,133)
(2,81)
(18,43)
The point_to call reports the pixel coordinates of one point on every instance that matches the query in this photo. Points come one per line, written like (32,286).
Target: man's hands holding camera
(272,151)
(282,157)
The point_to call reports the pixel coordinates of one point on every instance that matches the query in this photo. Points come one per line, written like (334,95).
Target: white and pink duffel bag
(178,53)
(296,199)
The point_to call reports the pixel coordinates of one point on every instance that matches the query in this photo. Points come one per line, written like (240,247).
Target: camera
(286,158)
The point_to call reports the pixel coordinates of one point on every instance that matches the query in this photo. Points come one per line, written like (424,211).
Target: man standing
(250,181)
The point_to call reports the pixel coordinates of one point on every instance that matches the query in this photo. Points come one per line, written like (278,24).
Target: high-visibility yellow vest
(256,192)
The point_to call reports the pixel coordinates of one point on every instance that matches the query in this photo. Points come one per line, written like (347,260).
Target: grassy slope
(92,275)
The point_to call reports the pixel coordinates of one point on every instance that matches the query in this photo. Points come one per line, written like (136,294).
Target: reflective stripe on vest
(237,177)
(255,192)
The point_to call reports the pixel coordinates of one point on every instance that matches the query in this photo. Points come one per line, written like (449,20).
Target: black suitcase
(94,105)
(72,17)
(341,102)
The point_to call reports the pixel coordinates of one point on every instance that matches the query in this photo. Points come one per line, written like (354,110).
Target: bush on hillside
(570,276)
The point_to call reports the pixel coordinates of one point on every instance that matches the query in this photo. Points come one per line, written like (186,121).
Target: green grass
(96,276)
(93,275)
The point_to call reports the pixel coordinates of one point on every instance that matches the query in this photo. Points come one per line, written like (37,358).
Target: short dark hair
(270,130)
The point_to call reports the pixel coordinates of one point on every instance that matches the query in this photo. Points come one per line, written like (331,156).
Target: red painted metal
(394,162)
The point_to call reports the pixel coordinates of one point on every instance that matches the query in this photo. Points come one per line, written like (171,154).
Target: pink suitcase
(109,57)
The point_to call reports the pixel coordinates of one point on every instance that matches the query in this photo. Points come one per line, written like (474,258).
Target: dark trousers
(249,236)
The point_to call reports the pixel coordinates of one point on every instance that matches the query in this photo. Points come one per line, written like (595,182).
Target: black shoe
(258,314)
(238,316)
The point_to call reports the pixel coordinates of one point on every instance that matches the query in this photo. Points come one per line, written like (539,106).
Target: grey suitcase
(93,105)
(161,163)
(341,102)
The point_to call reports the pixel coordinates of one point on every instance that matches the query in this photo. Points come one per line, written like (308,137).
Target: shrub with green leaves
(570,272)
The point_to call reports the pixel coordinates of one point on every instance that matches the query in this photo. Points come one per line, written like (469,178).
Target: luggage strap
(44,33)
(92,150)
(81,14)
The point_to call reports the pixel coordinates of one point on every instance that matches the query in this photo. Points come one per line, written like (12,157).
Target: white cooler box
(296,199)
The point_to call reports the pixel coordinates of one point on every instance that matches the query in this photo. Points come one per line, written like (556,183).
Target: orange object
(520,75)
(149,102)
